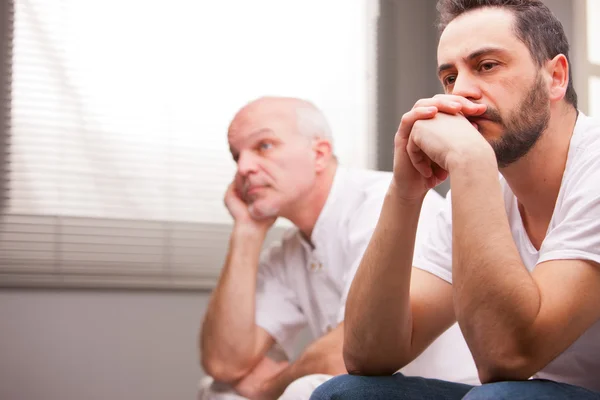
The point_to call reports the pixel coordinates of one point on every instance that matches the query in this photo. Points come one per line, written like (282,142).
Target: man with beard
(515,259)
(286,168)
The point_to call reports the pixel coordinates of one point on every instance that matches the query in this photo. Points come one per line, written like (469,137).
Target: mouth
(476,121)
(254,189)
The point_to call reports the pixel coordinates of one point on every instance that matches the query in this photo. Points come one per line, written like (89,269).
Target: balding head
(283,148)
(309,120)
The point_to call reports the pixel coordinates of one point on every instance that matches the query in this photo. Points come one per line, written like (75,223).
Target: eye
(487,66)
(449,80)
(264,146)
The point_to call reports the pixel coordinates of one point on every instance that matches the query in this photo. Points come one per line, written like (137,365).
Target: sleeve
(576,234)
(361,227)
(277,309)
(433,248)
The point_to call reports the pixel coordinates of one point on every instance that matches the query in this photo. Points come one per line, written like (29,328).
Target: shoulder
(281,243)
(582,172)
(586,135)
(356,188)
(367,182)
(574,231)
(584,149)
(363,193)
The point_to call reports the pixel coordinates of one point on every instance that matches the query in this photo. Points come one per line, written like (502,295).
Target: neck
(310,206)
(536,178)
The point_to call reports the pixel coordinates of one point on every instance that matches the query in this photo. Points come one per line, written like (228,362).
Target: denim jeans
(398,386)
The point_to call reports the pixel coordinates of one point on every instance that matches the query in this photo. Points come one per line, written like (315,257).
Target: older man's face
(275,163)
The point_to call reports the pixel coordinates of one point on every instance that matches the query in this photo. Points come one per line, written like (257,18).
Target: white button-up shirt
(300,285)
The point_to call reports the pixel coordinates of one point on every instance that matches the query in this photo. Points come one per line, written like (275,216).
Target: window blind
(116,154)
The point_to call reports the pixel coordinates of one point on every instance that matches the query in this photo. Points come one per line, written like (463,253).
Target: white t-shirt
(299,285)
(573,233)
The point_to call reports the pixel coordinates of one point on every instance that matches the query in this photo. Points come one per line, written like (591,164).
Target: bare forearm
(378,316)
(324,356)
(496,299)
(229,329)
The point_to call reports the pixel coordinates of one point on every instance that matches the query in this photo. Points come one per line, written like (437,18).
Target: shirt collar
(328,214)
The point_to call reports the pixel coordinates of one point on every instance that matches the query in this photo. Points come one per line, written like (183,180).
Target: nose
(466,86)
(247,163)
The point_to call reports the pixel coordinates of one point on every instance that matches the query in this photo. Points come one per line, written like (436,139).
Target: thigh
(538,389)
(398,386)
(302,388)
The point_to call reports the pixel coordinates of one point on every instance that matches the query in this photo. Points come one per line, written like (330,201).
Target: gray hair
(312,122)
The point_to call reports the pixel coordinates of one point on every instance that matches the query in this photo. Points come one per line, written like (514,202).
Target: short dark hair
(535,26)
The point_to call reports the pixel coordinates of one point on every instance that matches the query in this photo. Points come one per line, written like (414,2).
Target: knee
(303,387)
(340,387)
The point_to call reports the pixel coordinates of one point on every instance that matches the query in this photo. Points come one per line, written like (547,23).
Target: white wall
(93,345)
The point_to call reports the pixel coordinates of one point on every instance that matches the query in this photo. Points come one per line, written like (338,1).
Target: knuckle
(421,102)
(397,139)
(406,118)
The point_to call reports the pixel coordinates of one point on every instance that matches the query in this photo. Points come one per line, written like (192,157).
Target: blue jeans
(398,386)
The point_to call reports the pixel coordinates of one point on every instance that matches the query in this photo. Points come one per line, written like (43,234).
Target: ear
(558,73)
(323,152)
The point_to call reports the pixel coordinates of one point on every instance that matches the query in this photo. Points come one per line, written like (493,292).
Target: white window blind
(118,158)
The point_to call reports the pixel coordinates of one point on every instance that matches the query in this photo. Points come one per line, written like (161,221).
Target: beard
(523,127)
(261,206)
(258,210)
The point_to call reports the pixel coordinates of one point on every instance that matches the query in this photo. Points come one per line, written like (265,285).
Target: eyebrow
(472,56)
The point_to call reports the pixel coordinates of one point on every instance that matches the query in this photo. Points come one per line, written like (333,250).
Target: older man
(283,148)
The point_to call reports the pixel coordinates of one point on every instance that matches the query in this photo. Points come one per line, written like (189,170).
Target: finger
(465,103)
(419,159)
(445,105)
(439,176)
(409,119)
(229,190)
(440,173)
(473,109)
(451,104)
(432,182)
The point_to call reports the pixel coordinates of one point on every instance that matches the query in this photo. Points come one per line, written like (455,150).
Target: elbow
(508,368)
(221,371)
(226,368)
(360,363)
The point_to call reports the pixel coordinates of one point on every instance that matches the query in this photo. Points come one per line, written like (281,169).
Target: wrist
(481,157)
(248,231)
(401,197)
(473,169)
(273,388)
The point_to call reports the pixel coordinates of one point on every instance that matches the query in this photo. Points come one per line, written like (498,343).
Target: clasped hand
(433,136)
